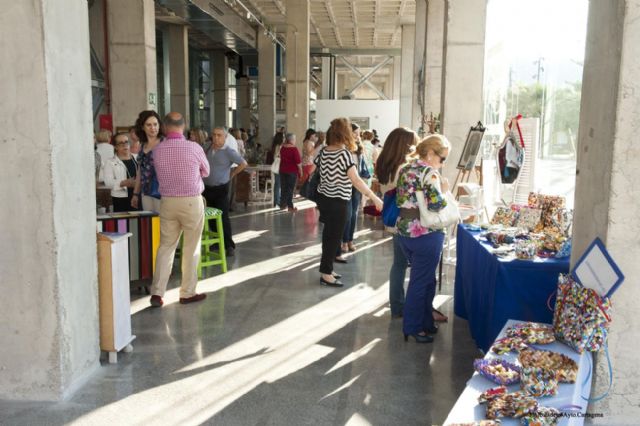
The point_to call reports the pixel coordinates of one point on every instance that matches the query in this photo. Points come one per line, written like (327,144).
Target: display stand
(113,281)
(467,409)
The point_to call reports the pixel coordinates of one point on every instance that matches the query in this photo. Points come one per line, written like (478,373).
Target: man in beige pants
(180,166)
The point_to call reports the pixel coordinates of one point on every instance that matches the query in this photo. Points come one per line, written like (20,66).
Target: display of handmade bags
(444,218)
(582,317)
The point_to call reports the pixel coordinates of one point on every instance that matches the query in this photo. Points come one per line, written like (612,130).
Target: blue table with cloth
(490,290)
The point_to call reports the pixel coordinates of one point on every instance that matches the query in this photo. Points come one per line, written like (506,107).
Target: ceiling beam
(364,79)
(332,17)
(356,51)
(376,19)
(356,37)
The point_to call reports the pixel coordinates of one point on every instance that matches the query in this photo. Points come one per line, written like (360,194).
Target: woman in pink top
(290,170)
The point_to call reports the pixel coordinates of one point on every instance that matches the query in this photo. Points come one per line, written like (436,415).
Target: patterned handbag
(582,317)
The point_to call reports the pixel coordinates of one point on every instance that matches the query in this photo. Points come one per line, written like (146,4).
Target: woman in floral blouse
(422,246)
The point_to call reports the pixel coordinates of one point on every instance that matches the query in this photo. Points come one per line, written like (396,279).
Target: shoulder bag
(314,181)
(444,218)
(275,166)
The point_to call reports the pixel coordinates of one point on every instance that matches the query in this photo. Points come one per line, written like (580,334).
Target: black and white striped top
(334,182)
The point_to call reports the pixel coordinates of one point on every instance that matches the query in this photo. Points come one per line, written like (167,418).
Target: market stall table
(569,398)
(490,290)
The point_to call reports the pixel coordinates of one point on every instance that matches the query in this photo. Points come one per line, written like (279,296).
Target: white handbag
(275,166)
(444,218)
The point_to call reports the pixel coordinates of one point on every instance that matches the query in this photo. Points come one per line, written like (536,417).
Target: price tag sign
(597,270)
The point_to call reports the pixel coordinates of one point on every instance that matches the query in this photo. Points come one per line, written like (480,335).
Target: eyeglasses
(122,143)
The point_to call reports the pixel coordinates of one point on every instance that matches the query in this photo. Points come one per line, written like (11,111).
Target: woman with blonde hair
(338,174)
(422,246)
(197,135)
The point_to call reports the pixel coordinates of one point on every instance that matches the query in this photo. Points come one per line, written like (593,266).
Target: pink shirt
(180,166)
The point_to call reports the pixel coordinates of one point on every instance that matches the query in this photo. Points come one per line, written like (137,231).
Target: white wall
(383,115)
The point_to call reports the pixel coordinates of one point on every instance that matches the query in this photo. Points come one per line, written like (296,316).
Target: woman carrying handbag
(421,244)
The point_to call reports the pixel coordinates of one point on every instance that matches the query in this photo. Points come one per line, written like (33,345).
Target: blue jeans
(352,216)
(276,189)
(424,255)
(396,278)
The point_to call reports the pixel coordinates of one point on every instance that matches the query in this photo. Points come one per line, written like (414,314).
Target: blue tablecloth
(489,290)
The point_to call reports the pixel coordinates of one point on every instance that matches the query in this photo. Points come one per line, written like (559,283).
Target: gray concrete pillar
(407,77)
(435,51)
(297,66)
(179,70)
(463,70)
(396,75)
(132,59)
(266,89)
(243,102)
(49,321)
(341,84)
(419,64)
(606,195)
(328,77)
(220,70)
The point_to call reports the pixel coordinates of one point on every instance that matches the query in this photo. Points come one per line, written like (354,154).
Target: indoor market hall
(319,212)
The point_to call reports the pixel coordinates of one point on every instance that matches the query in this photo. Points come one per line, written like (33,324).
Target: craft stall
(539,374)
(508,269)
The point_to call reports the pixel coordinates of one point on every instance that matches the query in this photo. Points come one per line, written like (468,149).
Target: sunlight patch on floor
(354,355)
(237,369)
(343,387)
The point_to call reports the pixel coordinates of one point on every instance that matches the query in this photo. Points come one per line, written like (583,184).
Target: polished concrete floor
(270,346)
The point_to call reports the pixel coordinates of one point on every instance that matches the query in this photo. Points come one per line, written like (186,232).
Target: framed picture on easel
(471,147)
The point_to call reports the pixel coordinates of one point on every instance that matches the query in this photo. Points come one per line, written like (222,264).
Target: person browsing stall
(180,166)
(222,160)
(338,175)
(421,245)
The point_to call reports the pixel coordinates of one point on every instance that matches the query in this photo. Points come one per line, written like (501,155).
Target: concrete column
(179,70)
(220,70)
(407,77)
(397,74)
(463,74)
(132,59)
(341,84)
(297,66)
(266,89)
(328,77)
(49,321)
(243,102)
(435,51)
(607,196)
(419,63)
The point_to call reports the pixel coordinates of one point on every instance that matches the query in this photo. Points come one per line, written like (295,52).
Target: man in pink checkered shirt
(180,166)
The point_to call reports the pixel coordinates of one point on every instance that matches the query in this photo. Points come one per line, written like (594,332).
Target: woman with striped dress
(337,176)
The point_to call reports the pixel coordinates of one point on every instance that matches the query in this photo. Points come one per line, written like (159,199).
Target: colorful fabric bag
(582,317)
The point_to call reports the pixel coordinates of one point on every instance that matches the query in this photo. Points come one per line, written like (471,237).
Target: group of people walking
(171,176)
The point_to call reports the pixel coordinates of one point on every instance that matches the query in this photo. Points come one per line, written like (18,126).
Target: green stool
(212,235)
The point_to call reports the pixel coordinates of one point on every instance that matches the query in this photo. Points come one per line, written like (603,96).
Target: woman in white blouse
(120,173)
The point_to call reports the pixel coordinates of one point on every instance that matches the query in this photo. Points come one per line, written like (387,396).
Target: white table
(467,408)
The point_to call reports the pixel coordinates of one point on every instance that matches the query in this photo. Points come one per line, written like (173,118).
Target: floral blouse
(147,172)
(407,185)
